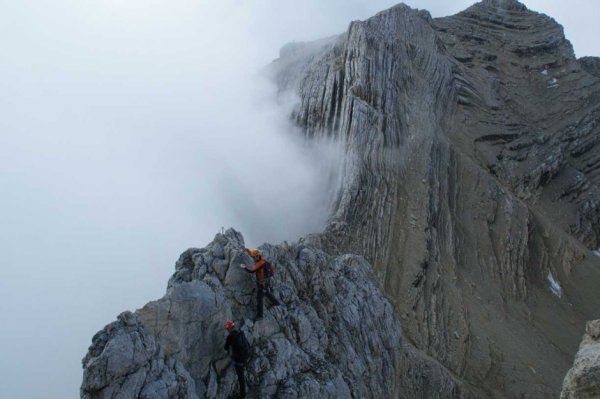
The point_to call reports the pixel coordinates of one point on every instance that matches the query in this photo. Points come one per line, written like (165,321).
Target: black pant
(239,369)
(262,290)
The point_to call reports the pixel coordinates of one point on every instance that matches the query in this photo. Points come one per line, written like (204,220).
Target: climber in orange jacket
(264,272)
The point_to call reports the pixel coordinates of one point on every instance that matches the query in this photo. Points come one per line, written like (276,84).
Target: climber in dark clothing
(240,352)
(263,271)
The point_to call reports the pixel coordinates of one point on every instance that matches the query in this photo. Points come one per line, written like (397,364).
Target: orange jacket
(258,269)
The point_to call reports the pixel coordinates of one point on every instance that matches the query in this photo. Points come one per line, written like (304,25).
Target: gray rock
(336,336)
(125,361)
(472,169)
(583,379)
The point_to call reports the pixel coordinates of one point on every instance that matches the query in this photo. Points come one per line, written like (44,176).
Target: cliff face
(471,182)
(471,187)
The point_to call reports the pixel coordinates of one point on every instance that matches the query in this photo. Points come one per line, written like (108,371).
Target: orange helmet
(253,252)
(230,325)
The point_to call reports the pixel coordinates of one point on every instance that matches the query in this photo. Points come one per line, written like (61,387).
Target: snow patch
(544,72)
(554,285)
(597,252)
(553,83)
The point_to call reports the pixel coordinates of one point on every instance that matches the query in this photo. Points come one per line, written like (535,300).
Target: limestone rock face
(471,181)
(125,360)
(336,335)
(583,379)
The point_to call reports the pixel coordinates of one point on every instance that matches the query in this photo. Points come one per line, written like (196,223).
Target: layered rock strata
(471,181)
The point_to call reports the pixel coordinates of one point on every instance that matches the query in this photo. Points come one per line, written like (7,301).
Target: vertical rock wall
(470,181)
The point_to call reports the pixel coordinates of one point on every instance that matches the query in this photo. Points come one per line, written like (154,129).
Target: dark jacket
(235,341)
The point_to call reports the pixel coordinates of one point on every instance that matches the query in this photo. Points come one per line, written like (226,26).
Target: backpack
(269,271)
(242,346)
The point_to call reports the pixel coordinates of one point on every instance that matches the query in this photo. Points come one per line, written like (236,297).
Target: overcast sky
(132,130)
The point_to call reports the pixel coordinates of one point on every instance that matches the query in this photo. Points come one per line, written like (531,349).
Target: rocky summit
(460,258)
(334,335)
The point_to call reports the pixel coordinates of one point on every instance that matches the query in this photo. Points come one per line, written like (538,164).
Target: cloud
(131,132)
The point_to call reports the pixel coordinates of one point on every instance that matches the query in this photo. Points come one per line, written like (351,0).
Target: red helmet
(230,325)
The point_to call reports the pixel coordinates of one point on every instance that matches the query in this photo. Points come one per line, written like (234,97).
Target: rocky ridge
(336,335)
